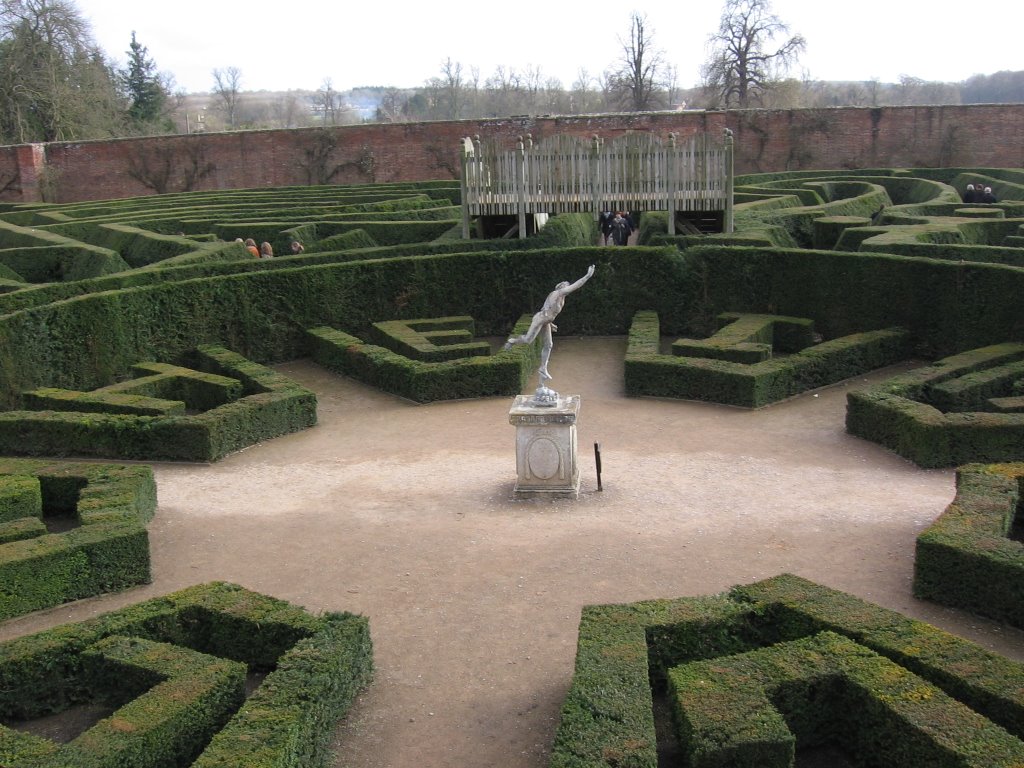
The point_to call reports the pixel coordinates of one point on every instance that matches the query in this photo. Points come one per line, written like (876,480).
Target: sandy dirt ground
(403,513)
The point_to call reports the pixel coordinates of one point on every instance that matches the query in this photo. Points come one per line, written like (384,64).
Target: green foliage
(20,497)
(109,550)
(146,92)
(55,84)
(177,700)
(966,558)
(233,404)
(624,650)
(192,640)
(921,414)
(733,370)
(442,338)
(751,709)
(413,377)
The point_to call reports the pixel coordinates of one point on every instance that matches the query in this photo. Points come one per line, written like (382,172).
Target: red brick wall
(982,136)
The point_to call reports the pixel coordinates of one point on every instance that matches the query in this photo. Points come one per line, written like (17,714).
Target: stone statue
(543,322)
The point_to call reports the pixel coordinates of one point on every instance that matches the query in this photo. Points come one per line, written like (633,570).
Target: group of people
(265,249)
(616,227)
(979,194)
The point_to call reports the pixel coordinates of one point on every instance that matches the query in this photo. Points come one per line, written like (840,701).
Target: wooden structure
(633,172)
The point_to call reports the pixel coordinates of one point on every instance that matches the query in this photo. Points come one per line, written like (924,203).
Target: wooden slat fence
(565,174)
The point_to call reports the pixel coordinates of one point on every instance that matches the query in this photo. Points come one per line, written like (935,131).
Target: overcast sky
(299,43)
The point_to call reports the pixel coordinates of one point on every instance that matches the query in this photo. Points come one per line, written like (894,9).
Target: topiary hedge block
(749,338)
(966,558)
(904,413)
(108,551)
(159,389)
(198,642)
(247,403)
(501,374)
(177,699)
(100,401)
(20,497)
(434,341)
(841,680)
(758,384)
(751,709)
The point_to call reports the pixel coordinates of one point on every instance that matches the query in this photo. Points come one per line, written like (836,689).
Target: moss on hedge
(318,666)
(108,551)
(916,413)
(233,402)
(741,372)
(966,558)
(624,650)
(421,377)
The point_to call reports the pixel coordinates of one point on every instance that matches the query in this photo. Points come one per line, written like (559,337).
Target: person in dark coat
(620,230)
(987,196)
(970,196)
(604,220)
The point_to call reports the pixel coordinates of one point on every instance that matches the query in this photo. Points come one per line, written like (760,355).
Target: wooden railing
(634,172)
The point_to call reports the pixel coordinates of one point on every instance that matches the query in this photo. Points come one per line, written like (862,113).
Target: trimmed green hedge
(20,497)
(966,558)
(504,373)
(623,650)
(318,666)
(755,384)
(108,551)
(39,256)
(905,413)
(177,700)
(262,308)
(433,341)
(749,338)
(246,403)
(842,198)
(753,708)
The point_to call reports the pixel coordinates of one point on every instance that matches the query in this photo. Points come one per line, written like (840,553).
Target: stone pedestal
(546,447)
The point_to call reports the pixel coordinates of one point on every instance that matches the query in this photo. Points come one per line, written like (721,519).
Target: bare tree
(391,108)
(583,98)
(744,61)
(55,83)
(288,112)
(326,102)
(227,84)
(451,88)
(636,80)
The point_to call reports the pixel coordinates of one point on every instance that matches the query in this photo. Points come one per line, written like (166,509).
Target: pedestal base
(546,448)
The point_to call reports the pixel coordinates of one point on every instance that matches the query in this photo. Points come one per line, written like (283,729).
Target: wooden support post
(464,179)
(672,183)
(728,182)
(521,188)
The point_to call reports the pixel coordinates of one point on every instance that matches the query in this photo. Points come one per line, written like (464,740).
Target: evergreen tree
(146,92)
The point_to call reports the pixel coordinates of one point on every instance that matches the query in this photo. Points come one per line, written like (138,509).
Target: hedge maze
(752,675)
(736,366)
(172,671)
(972,556)
(964,408)
(425,360)
(140,329)
(166,412)
(107,549)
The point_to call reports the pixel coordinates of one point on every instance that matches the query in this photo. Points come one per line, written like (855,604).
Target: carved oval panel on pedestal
(544,458)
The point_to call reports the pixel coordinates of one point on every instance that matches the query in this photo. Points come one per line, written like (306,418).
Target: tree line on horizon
(56,84)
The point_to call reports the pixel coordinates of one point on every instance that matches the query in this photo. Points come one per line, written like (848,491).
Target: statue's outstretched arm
(580,282)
